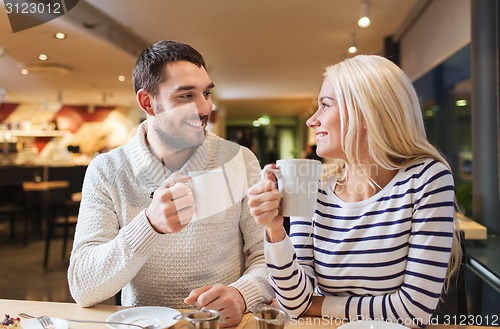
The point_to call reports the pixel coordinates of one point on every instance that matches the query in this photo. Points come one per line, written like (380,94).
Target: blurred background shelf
(34,133)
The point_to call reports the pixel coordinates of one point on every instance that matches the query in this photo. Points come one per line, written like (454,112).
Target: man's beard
(177,135)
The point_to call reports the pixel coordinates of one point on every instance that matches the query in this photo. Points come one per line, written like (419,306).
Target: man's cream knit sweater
(116,248)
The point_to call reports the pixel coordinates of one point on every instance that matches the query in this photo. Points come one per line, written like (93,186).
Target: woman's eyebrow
(326,97)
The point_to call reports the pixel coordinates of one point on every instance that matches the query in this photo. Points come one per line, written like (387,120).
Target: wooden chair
(453,303)
(63,215)
(14,207)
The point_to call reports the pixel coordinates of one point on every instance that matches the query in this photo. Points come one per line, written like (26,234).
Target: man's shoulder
(227,144)
(112,159)
(230,152)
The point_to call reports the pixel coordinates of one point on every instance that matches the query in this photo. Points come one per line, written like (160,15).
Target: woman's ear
(145,101)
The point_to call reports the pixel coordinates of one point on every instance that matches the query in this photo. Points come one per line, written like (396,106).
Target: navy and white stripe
(382,258)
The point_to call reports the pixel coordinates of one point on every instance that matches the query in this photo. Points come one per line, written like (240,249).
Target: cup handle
(276,172)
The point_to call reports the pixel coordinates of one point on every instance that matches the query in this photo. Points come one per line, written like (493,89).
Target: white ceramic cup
(210,193)
(298,182)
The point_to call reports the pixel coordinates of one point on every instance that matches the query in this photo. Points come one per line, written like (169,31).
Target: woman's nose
(312,121)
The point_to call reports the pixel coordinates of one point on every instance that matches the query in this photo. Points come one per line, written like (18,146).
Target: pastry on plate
(10,323)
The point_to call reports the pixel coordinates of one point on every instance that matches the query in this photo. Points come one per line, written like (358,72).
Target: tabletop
(45,185)
(73,311)
(101,312)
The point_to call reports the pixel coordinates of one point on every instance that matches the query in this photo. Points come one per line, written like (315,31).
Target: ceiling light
(353,49)
(43,57)
(121,78)
(364,21)
(47,68)
(24,71)
(60,36)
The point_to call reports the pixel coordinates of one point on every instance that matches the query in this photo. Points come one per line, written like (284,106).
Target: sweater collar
(151,169)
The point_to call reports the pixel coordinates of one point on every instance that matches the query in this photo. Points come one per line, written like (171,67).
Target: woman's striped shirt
(383,258)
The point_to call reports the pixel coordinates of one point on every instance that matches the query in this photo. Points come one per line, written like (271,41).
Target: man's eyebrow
(188,88)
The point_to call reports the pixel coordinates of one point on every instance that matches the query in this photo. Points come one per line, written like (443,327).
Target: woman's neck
(363,181)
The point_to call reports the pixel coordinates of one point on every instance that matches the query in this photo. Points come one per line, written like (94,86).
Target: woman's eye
(324,106)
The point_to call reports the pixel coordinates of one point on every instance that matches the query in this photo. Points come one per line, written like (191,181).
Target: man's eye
(207,94)
(185,96)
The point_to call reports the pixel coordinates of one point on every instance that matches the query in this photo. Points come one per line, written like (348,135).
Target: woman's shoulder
(426,171)
(425,165)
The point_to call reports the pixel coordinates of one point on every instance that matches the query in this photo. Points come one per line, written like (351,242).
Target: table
(101,312)
(45,186)
(472,230)
(73,311)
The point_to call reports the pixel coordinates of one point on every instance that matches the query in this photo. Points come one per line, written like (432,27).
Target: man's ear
(145,101)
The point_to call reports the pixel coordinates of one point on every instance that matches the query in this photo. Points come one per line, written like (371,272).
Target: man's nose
(204,106)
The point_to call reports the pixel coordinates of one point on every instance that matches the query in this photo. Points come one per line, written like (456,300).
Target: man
(134,230)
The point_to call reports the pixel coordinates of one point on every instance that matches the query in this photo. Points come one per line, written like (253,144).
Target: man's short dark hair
(148,69)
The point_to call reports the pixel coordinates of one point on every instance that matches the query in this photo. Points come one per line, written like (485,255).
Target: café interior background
(266,59)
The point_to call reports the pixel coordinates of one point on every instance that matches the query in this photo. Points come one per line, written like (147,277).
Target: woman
(379,244)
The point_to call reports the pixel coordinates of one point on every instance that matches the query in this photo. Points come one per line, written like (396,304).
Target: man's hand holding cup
(173,205)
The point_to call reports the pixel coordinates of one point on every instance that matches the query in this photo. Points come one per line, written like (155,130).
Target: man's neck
(172,159)
(175,160)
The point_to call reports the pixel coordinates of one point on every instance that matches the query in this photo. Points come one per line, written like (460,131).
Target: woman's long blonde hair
(374,92)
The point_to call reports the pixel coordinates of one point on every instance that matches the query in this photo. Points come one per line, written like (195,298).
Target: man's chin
(198,138)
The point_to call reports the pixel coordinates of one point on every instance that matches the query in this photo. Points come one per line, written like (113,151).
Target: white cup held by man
(298,182)
(210,193)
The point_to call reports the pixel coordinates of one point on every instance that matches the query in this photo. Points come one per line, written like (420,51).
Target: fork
(44,320)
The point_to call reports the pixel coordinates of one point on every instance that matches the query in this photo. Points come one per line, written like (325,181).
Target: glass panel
(444,93)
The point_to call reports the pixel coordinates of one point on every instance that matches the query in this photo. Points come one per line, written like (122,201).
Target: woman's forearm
(315,308)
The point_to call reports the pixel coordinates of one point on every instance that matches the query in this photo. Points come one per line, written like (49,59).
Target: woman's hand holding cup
(264,202)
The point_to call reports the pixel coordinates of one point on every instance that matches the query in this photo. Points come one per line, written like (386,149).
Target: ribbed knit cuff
(140,235)
(248,290)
